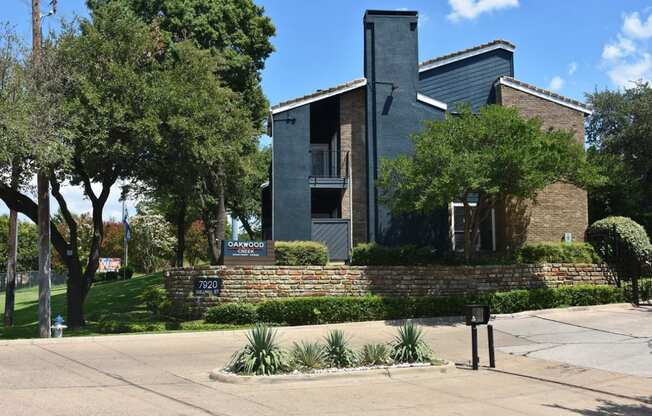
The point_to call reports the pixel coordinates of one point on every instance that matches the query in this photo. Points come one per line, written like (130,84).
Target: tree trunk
(247,227)
(181,232)
(12,255)
(75,298)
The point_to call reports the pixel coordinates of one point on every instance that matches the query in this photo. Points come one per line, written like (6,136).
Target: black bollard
(490,338)
(474,346)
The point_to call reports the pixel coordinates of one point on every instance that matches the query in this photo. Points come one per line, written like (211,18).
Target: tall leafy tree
(488,157)
(619,134)
(92,103)
(236,33)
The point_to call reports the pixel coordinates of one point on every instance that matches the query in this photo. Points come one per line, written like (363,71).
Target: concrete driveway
(167,374)
(612,338)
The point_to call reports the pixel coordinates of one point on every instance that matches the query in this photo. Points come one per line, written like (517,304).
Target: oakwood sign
(247,252)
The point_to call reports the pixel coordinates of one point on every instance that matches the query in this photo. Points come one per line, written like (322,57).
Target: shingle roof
(553,96)
(337,89)
(494,44)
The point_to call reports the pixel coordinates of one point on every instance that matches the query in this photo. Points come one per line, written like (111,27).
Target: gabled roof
(318,95)
(545,94)
(466,53)
(423,66)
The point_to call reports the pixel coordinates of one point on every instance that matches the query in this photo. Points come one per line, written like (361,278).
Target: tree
(204,135)
(488,157)
(152,242)
(196,245)
(97,79)
(619,133)
(236,33)
(245,197)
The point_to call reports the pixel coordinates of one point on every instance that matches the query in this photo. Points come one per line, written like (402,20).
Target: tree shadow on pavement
(608,407)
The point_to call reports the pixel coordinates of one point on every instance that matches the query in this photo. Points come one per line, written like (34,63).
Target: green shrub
(232,313)
(408,345)
(126,273)
(618,239)
(261,356)
(300,253)
(557,253)
(308,355)
(321,310)
(375,354)
(338,350)
(334,309)
(376,255)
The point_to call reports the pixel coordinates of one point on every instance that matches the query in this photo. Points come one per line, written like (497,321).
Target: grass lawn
(119,301)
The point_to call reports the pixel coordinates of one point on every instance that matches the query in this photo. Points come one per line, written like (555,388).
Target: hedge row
(300,253)
(377,255)
(321,310)
(557,253)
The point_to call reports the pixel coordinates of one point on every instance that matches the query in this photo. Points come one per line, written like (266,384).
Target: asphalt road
(167,374)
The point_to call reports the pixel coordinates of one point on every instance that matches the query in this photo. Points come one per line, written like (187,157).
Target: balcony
(329,169)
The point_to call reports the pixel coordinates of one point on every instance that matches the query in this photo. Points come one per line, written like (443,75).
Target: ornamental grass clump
(338,350)
(261,356)
(375,354)
(308,356)
(409,346)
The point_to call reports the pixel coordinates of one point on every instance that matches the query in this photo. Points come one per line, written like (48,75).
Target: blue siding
(467,81)
(393,115)
(291,189)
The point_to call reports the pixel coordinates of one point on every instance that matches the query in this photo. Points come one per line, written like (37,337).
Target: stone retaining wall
(256,283)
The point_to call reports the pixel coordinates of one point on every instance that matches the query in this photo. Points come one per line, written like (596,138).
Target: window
(487,238)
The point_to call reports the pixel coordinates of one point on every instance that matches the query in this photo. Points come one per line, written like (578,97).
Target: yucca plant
(308,355)
(375,354)
(338,350)
(261,356)
(408,346)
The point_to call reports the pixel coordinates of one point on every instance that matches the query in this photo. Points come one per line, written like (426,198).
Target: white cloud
(625,74)
(423,19)
(628,59)
(556,83)
(470,9)
(572,67)
(617,50)
(635,27)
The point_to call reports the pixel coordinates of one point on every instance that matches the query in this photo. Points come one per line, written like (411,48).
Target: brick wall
(352,139)
(256,283)
(560,207)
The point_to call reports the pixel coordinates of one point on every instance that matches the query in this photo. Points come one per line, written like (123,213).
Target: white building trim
(431,101)
(543,95)
(318,96)
(469,54)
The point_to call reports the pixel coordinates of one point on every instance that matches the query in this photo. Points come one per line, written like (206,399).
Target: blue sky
(570,46)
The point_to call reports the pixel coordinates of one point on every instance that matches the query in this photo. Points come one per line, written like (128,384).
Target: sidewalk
(167,374)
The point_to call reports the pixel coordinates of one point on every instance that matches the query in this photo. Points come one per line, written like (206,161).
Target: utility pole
(12,254)
(43,198)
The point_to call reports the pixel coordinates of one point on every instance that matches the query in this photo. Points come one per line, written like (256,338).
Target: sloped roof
(466,53)
(319,95)
(545,94)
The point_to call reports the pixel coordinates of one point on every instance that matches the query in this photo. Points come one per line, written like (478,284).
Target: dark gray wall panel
(393,115)
(291,192)
(467,81)
(335,234)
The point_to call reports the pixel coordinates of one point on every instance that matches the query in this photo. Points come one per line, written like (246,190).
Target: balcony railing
(329,164)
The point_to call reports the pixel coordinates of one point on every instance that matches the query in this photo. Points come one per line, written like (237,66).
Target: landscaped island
(263,356)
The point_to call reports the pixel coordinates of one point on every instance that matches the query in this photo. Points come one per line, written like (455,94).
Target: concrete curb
(219,375)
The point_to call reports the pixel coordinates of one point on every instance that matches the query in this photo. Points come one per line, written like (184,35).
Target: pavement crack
(591,328)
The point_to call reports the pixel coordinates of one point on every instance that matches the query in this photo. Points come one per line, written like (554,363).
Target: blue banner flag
(125,223)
